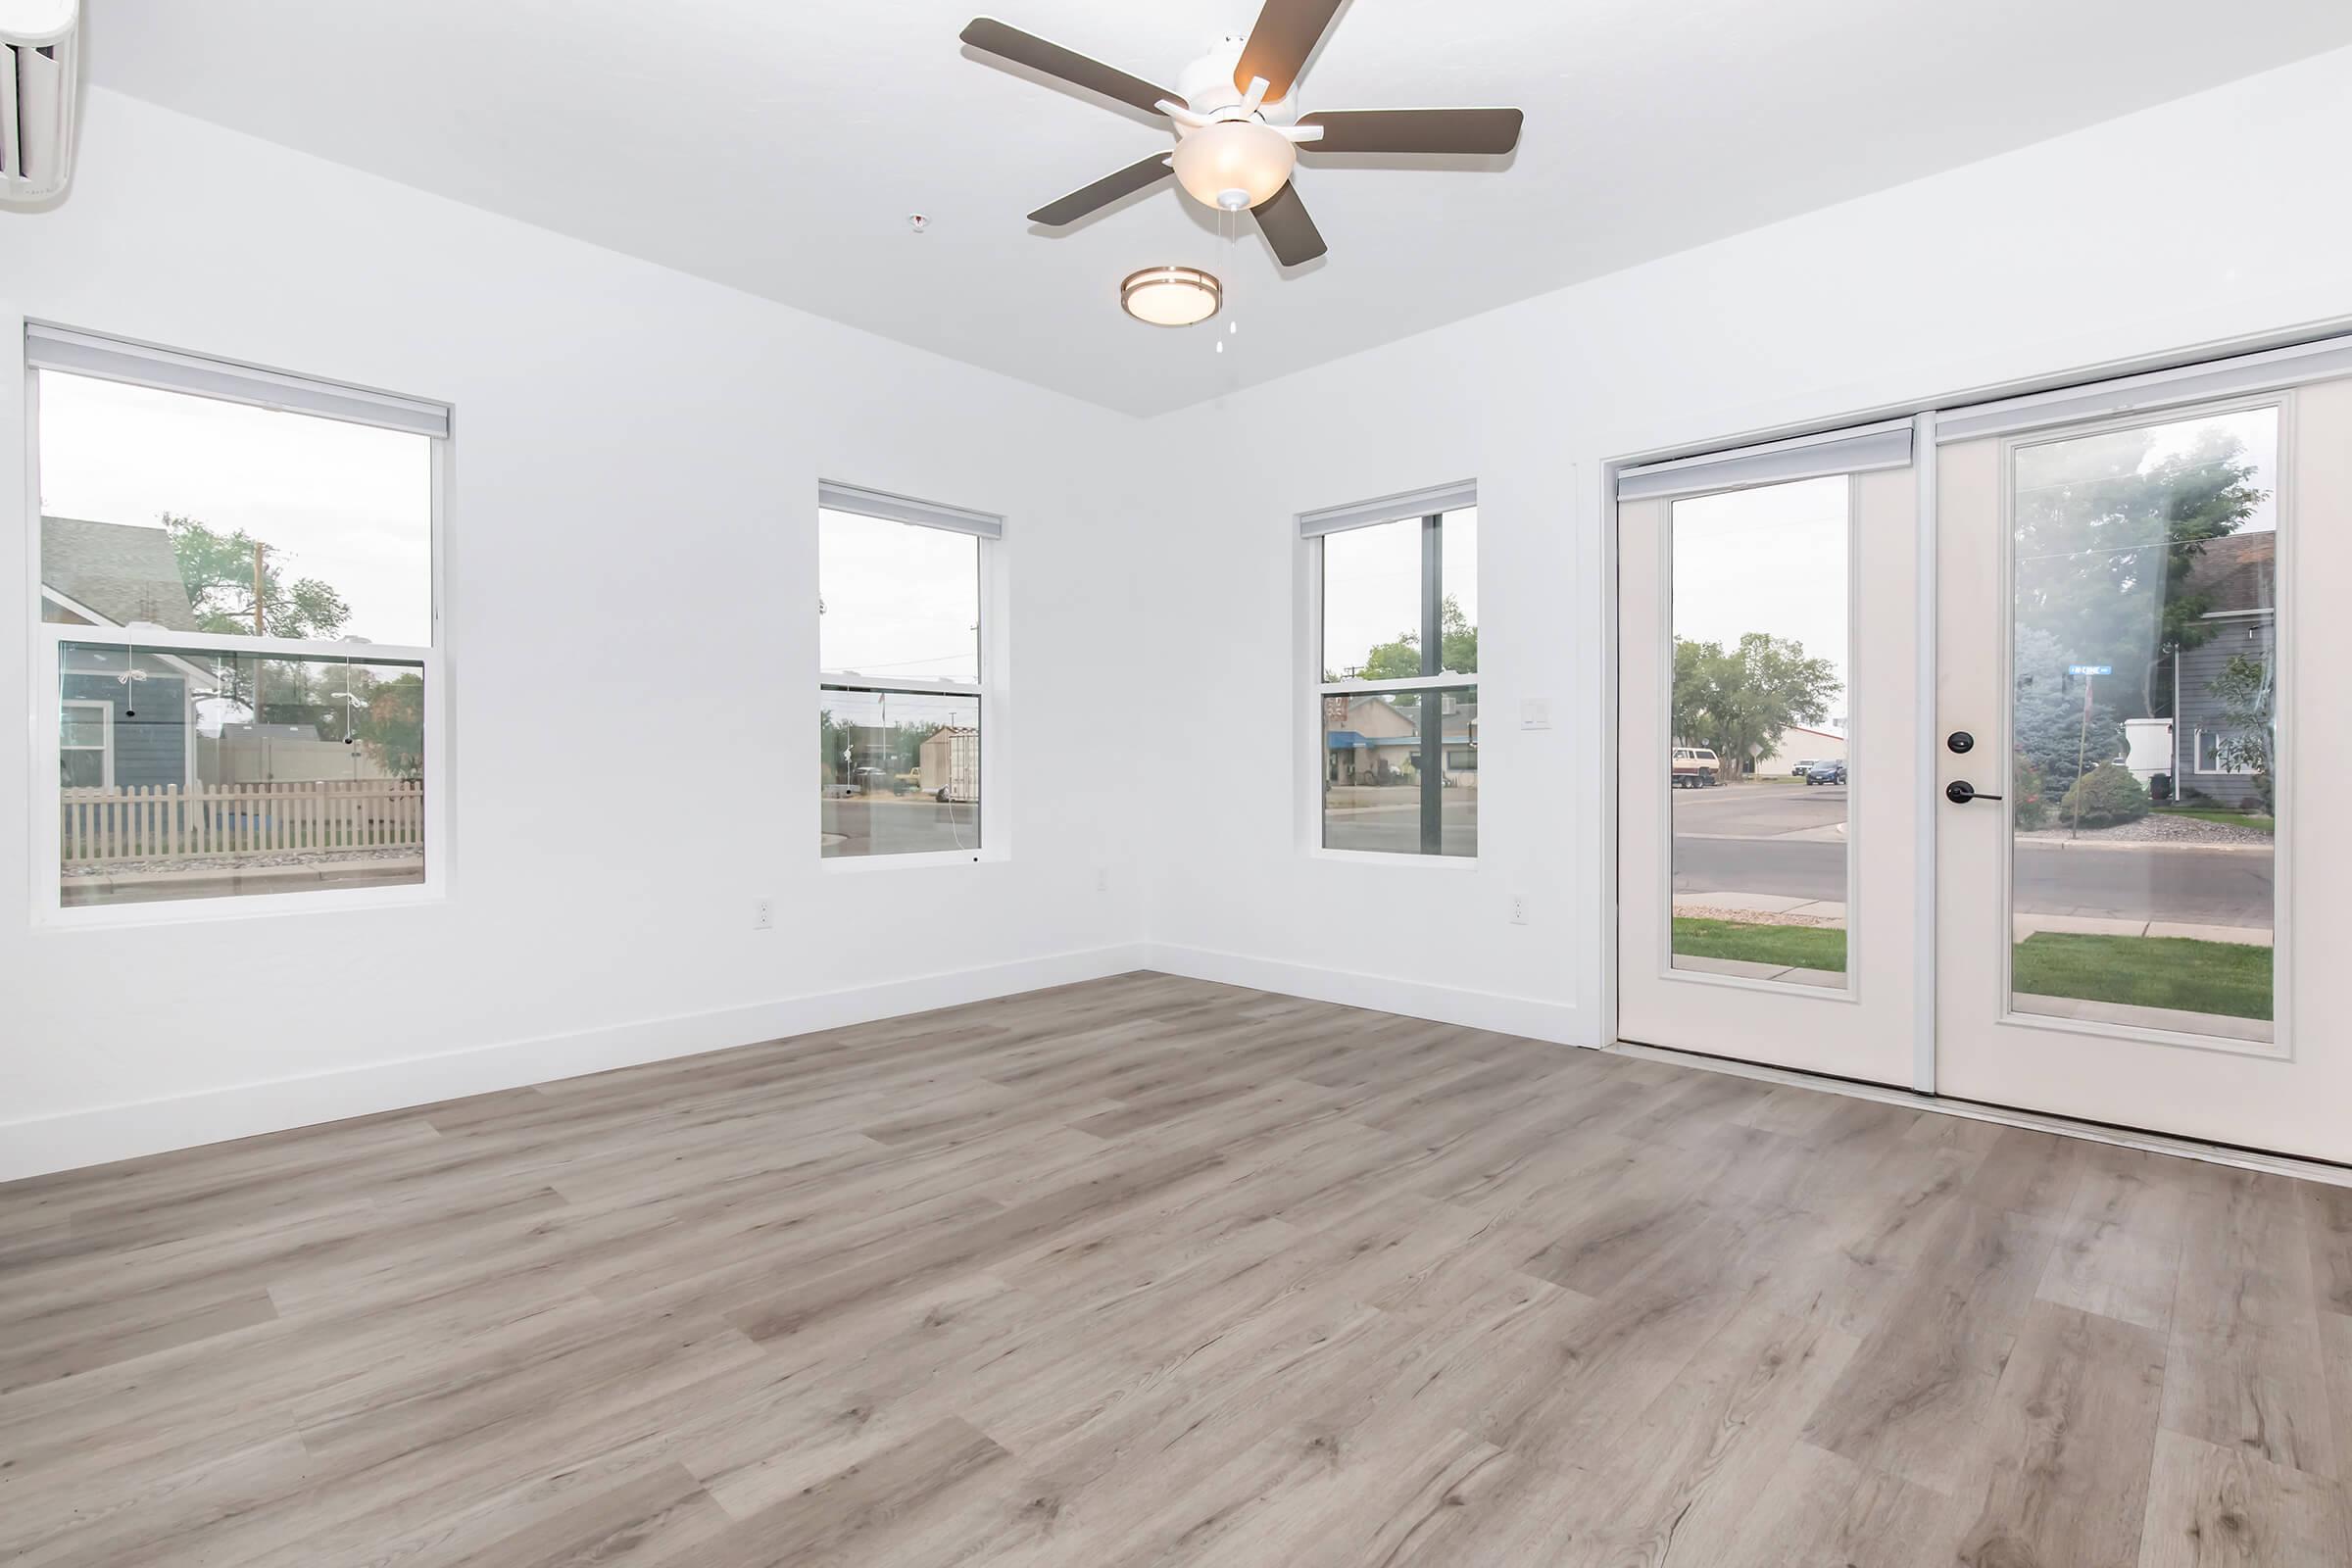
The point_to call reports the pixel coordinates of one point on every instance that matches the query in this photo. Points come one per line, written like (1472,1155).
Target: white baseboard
(95,1137)
(1472,1009)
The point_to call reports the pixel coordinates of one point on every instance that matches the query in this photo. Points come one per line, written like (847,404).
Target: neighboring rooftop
(118,572)
(2238,574)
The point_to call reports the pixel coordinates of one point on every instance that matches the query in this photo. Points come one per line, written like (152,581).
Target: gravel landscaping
(221,864)
(1700,911)
(2156,828)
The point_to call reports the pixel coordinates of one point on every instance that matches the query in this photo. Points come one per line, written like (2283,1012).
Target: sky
(1770,559)
(348,504)
(1774,559)
(898,601)
(1372,584)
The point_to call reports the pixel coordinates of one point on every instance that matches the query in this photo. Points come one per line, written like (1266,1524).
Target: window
(1397,640)
(902,693)
(2227,752)
(236,607)
(86,745)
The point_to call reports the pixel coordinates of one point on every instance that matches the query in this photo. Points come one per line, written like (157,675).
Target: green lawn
(2259,824)
(1799,947)
(2229,978)
(2226,978)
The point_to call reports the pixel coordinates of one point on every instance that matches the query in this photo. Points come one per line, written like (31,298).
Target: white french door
(2155,737)
(1769,788)
(2110,841)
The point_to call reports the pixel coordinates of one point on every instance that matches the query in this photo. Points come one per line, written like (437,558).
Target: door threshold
(2296,1166)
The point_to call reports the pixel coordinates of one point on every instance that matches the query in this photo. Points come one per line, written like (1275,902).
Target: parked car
(1832,772)
(1801,768)
(1696,768)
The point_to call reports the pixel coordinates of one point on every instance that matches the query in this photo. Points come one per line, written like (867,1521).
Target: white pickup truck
(1696,768)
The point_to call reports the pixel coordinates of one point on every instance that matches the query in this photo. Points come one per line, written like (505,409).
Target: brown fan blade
(1287,228)
(994,37)
(1286,33)
(1102,192)
(1415,130)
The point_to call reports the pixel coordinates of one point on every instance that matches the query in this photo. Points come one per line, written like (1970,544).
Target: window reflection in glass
(193,774)
(898,772)
(2145,719)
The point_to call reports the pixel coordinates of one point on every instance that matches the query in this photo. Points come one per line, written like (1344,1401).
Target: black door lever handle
(1960,792)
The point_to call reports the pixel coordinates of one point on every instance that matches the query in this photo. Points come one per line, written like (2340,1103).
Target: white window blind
(55,347)
(1388,508)
(2268,371)
(1859,451)
(905,509)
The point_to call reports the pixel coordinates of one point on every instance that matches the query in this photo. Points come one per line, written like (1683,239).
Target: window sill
(849,864)
(249,906)
(1450,862)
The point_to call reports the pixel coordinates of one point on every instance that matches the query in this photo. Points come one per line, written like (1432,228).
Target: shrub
(2105,796)
(2030,810)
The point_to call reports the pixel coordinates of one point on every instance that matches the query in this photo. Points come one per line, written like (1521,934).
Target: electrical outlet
(1102,879)
(763,914)
(1518,908)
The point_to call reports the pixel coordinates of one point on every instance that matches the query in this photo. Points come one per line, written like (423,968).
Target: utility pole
(258,548)
(2082,750)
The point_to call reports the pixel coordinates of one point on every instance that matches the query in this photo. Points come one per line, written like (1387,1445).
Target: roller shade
(55,347)
(2268,371)
(1858,451)
(1388,508)
(903,509)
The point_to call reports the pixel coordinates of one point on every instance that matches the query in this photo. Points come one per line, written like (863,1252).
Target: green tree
(391,726)
(1737,699)
(2248,710)
(2107,532)
(2046,713)
(1401,658)
(217,569)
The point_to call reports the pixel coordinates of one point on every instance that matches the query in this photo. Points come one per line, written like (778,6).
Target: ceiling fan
(1238,129)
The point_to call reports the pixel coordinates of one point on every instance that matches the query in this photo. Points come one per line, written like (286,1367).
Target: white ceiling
(778,147)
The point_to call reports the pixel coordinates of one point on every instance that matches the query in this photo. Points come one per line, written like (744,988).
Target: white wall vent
(38,80)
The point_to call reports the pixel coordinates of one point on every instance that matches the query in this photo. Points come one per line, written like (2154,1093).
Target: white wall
(631,567)
(2214,217)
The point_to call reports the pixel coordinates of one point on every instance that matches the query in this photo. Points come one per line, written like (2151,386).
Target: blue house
(124,718)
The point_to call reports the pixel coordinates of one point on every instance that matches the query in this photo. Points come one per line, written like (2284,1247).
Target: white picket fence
(164,822)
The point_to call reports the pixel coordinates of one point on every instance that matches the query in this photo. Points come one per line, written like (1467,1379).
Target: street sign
(2090,670)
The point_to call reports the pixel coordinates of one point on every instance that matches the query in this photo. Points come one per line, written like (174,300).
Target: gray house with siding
(124,718)
(2239,577)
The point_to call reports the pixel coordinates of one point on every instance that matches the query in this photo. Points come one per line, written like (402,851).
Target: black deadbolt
(1961,741)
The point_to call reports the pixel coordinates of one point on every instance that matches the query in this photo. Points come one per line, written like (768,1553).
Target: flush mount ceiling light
(1171,296)
(1239,131)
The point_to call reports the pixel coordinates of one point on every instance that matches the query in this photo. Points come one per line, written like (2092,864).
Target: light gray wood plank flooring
(1150,1271)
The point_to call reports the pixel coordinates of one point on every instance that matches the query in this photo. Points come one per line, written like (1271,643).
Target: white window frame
(106,739)
(78,353)
(2197,756)
(1314,528)
(987,530)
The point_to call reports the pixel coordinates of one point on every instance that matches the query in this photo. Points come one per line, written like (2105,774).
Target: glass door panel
(2143,720)
(1757,712)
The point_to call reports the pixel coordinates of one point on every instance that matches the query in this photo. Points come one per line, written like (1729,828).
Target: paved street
(1389,819)
(1782,839)
(896,824)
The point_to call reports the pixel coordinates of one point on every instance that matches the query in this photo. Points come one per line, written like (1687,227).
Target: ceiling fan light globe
(1234,155)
